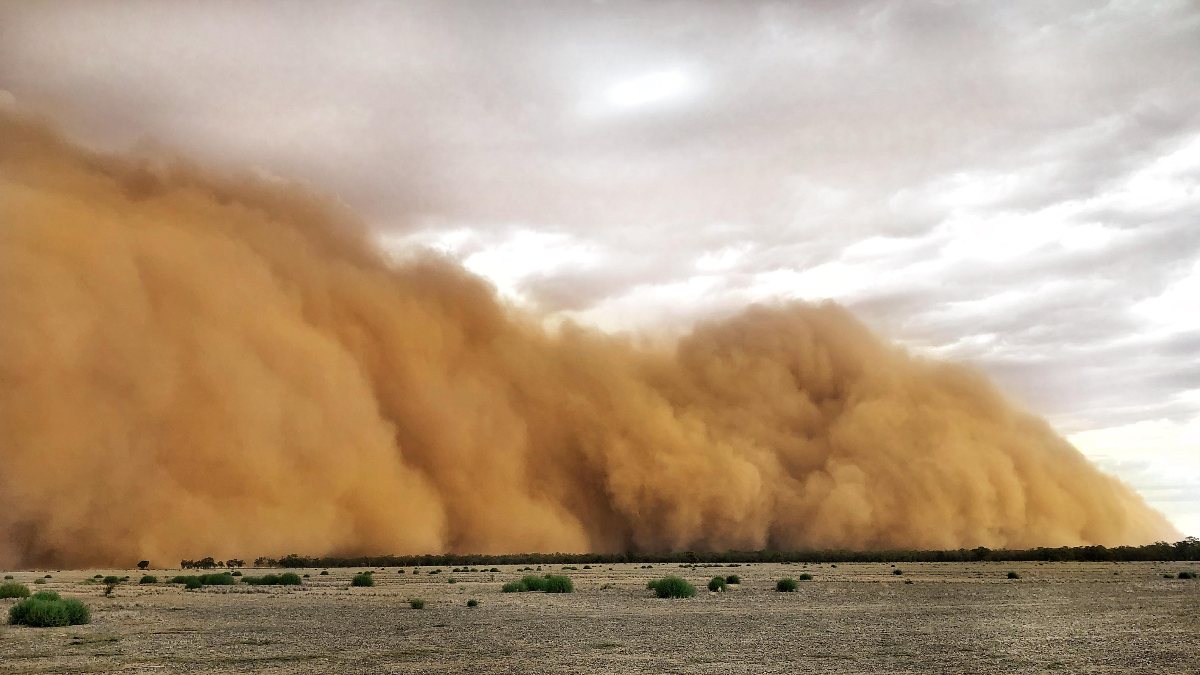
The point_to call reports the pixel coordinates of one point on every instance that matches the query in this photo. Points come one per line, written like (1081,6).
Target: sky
(1015,185)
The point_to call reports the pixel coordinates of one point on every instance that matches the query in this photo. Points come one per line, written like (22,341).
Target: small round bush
(148,579)
(494,569)
(716,584)
(222,579)
(192,583)
(1168,576)
(1013,575)
(325,573)
(14,590)
(897,571)
(557,583)
(1187,575)
(733,579)
(7,577)
(289,579)
(472,603)
(48,576)
(672,587)
(416,603)
(98,576)
(39,581)
(362,580)
(236,573)
(513,587)
(785,585)
(452,580)
(112,580)
(805,576)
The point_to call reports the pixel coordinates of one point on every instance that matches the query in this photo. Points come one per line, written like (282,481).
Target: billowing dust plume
(194,366)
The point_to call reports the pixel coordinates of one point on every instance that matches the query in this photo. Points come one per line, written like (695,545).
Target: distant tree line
(1187,549)
(209,563)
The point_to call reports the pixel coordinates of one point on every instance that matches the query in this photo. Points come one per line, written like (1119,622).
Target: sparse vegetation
(192,583)
(733,579)
(148,579)
(557,583)
(897,571)
(39,581)
(13,590)
(47,609)
(325,573)
(672,587)
(472,603)
(805,576)
(716,584)
(1013,575)
(289,579)
(362,579)
(786,585)
(7,577)
(1187,575)
(416,603)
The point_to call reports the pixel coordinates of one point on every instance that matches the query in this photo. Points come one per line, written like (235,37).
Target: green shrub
(48,576)
(48,609)
(98,576)
(362,580)
(148,579)
(452,580)
(897,571)
(289,579)
(222,579)
(805,576)
(325,573)
(1168,576)
(1013,575)
(8,577)
(416,603)
(39,581)
(1187,575)
(557,583)
(236,573)
(672,587)
(192,583)
(14,590)
(513,587)
(716,584)
(733,579)
(472,603)
(112,580)
(533,583)
(494,569)
(785,585)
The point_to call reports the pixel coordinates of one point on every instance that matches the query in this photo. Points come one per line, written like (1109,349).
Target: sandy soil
(855,618)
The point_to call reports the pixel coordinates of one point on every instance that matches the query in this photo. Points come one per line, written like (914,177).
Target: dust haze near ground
(204,365)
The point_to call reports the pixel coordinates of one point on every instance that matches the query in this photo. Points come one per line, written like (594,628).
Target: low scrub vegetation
(716,584)
(472,603)
(787,585)
(672,587)
(805,576)
(1013,575)
(13,590)
(733,579)
(363,579)
(47,609)
(416,603)
(1187,575)
(550,583)
(148,579)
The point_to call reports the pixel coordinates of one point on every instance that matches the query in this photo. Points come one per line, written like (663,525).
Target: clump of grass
(558,583)
(1168,576)
(672,587)
(716,584)
(8,577)
(513,587)
(897,571)
(1187,575)
(235,573)
(733,579)
(472,603)
(47,610)
(494,570)
(13,590)
(416,603)
(325,573)
(805,576)
(222,579)
(148,579)
(39,581)
(192,583)
(289,579)
(787,585)
(362,579)
(1013,575)
(48,576)
(452,580)
(98,576)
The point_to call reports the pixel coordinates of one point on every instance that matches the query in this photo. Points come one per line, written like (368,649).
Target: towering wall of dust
(192,367)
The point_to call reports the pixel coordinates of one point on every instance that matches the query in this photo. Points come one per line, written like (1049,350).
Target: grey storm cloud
(804,131)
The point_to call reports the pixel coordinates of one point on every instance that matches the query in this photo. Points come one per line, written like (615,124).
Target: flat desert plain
(852,618)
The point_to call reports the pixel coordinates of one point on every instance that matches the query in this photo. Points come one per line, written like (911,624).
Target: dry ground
(855,618)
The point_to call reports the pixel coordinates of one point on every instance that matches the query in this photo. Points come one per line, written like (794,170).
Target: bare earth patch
(952,617)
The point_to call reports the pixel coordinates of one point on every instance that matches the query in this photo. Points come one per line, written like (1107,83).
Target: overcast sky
(1012,184)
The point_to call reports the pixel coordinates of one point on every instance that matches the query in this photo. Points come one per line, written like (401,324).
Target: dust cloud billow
(197,365)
